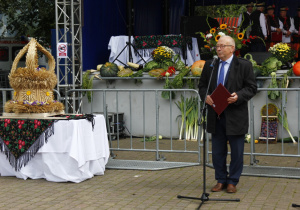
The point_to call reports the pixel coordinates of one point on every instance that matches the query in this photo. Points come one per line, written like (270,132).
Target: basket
(33,86)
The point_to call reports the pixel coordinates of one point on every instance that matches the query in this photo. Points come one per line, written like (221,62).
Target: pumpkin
(197,67)
(109,70)
(296,68)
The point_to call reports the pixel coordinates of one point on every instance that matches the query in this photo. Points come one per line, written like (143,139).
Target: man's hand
(288,33)
(209,101)
(278,30)
(233,98)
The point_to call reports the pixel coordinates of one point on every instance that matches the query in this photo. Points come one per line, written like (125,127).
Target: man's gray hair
(229,39)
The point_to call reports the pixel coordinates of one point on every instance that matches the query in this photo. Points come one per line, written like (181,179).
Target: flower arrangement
(283,52)
(214,35)
(162,53)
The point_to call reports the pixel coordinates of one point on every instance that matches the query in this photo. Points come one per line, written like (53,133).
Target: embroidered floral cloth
(146,42)
(20,139)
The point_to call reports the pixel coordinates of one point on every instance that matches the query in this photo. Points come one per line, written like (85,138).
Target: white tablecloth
(73,153)
(117,43)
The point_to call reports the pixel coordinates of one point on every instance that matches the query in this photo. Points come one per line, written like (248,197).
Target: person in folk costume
(296,35)
(273,24)
(244,21)
(258,28)
(297,22)
(288,25)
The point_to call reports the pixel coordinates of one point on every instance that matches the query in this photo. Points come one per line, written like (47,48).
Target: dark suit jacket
(240,79)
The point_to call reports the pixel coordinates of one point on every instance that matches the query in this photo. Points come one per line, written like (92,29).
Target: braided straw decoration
(31,84)
(32,56)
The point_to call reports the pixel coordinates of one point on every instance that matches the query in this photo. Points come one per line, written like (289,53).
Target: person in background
(236,74)
(273,25)
(288,24)
(258,28)
(297,22)
(296,34)
(244,21)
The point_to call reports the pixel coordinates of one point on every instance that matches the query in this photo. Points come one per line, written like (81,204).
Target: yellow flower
(223,26)
(28,92)
(217,38)
(212,30)
(15,93)
(240,35)
(47,93)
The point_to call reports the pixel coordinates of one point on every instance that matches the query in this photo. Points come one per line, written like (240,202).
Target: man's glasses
(222,46)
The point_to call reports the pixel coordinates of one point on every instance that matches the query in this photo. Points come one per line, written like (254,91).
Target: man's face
(250,9)
(283,14)
(224,48)
(270,12)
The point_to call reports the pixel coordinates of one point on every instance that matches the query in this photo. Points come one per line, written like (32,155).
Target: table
(74,153)
(117,43)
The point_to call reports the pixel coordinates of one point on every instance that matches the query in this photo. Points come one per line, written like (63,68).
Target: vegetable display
(109,70)
(189,115)
(197,67)
(296,68)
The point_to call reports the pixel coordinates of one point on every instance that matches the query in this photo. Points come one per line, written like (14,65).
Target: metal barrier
(147,115)
(141,113)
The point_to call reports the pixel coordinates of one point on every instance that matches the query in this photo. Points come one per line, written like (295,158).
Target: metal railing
(147,114)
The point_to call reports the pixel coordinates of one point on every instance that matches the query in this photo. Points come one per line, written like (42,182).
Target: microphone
(214,61)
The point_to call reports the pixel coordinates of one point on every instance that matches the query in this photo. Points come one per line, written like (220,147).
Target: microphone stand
(295,205)
(205,196)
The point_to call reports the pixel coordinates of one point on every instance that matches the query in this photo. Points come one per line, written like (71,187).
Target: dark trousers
(219,154)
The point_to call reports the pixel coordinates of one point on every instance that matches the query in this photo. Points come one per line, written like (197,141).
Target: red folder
(220,96)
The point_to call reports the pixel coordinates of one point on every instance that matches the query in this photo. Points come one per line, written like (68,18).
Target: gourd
(109,70)
(156,72)
(125,72)
(197,67)
(296,68)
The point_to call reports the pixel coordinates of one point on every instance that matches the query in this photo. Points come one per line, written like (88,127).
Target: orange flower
(217,38)
(212,30)
(223,26)
(206,46)
(240,35)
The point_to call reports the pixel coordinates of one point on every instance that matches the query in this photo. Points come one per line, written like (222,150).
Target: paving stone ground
(137,189)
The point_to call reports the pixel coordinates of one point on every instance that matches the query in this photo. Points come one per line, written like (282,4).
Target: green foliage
(87,83)
(232,10)
(33,18)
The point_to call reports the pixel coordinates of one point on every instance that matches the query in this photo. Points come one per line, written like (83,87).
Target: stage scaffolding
(68,15)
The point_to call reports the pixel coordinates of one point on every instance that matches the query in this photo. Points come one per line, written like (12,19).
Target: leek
(284,122)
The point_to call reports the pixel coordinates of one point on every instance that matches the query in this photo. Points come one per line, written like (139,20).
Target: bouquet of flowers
(283,52)
(162,53)
(214,35)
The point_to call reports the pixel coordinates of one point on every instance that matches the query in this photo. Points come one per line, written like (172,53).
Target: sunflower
(217,38)
(240,35)
(223,26)
(212,30)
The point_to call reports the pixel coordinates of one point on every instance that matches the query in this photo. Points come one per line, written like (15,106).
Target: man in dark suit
(232,124)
